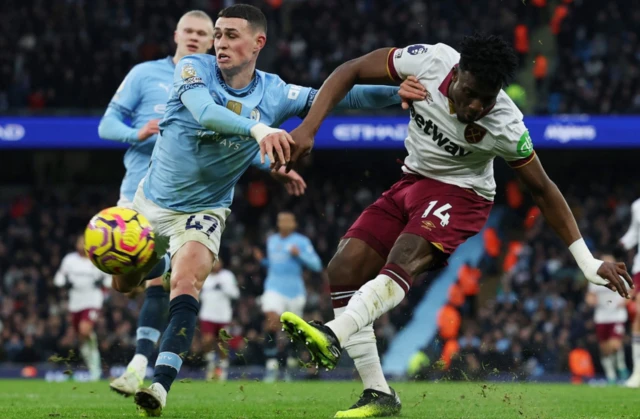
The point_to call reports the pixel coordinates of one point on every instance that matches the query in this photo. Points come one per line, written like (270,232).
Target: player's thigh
(364,248)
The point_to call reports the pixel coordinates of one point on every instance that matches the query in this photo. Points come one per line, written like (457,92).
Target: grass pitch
(320,399)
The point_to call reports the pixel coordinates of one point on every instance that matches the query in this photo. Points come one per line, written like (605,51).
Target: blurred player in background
(610,317)
(216,312)
(84,283)
(217,106)
(288,253)
(142,98)
(443,198)
(631,241)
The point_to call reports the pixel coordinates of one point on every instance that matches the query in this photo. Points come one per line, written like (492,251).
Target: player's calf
(191,265)
(410,256)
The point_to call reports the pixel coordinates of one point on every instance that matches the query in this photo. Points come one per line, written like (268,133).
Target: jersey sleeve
(630,238)
(296,100)
(127,97)
(409,61)
(189,74)
(60,279)
(515,145)
(230,285)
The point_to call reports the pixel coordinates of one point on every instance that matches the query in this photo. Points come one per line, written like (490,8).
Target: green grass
(248,399)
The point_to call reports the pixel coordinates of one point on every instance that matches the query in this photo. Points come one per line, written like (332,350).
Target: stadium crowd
(47,63)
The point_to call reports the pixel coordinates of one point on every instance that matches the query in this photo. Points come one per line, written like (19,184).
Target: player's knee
(351,264)
(414,255)
(125,283)
(84,330)
(272,320)
(185,283)
(207,340)
(615,345)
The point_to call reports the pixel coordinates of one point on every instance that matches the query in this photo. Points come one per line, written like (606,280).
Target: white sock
(621,362)
(371,301)
(224,369)
(635,350)
(95,367)
(86,352)
(362,348)
(609,366)
(139,365)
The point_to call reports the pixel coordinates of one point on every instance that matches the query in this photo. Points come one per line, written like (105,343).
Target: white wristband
(586,262)
(260,130)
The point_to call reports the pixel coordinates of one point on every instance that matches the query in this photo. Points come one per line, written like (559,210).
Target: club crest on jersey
(417,49)
(474,133)
(255,115)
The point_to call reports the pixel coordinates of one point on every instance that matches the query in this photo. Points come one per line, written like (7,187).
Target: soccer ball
(119,240)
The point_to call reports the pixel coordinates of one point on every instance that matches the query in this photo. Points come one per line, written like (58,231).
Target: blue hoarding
(372,132)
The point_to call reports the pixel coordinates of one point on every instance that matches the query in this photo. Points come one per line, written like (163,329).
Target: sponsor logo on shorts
(432,129)
(428,225)
(474,133)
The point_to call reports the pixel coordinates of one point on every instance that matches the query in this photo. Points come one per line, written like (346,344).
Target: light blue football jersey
(284,271)
(141,97)
(193,168)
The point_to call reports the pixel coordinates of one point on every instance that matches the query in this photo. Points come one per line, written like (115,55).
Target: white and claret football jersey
(441,147)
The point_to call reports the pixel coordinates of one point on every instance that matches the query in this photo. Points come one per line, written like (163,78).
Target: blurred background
(511,303)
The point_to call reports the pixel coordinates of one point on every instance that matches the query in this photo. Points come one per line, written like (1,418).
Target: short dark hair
(251,14)
(489,58)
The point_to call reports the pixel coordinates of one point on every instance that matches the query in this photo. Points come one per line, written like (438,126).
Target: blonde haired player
(142,97)
(84,283)
(629,241)
(610,317)
(216,312)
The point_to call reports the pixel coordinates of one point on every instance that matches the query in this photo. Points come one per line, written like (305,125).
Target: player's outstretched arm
(375,97)
(556,212)
(368,69)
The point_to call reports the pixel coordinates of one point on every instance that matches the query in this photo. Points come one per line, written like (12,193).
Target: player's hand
(295,252)
(149,129)
(293,182)
(612,275)
(257,253)
(277,146)
(615,273)
(411,89)
(303,143)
